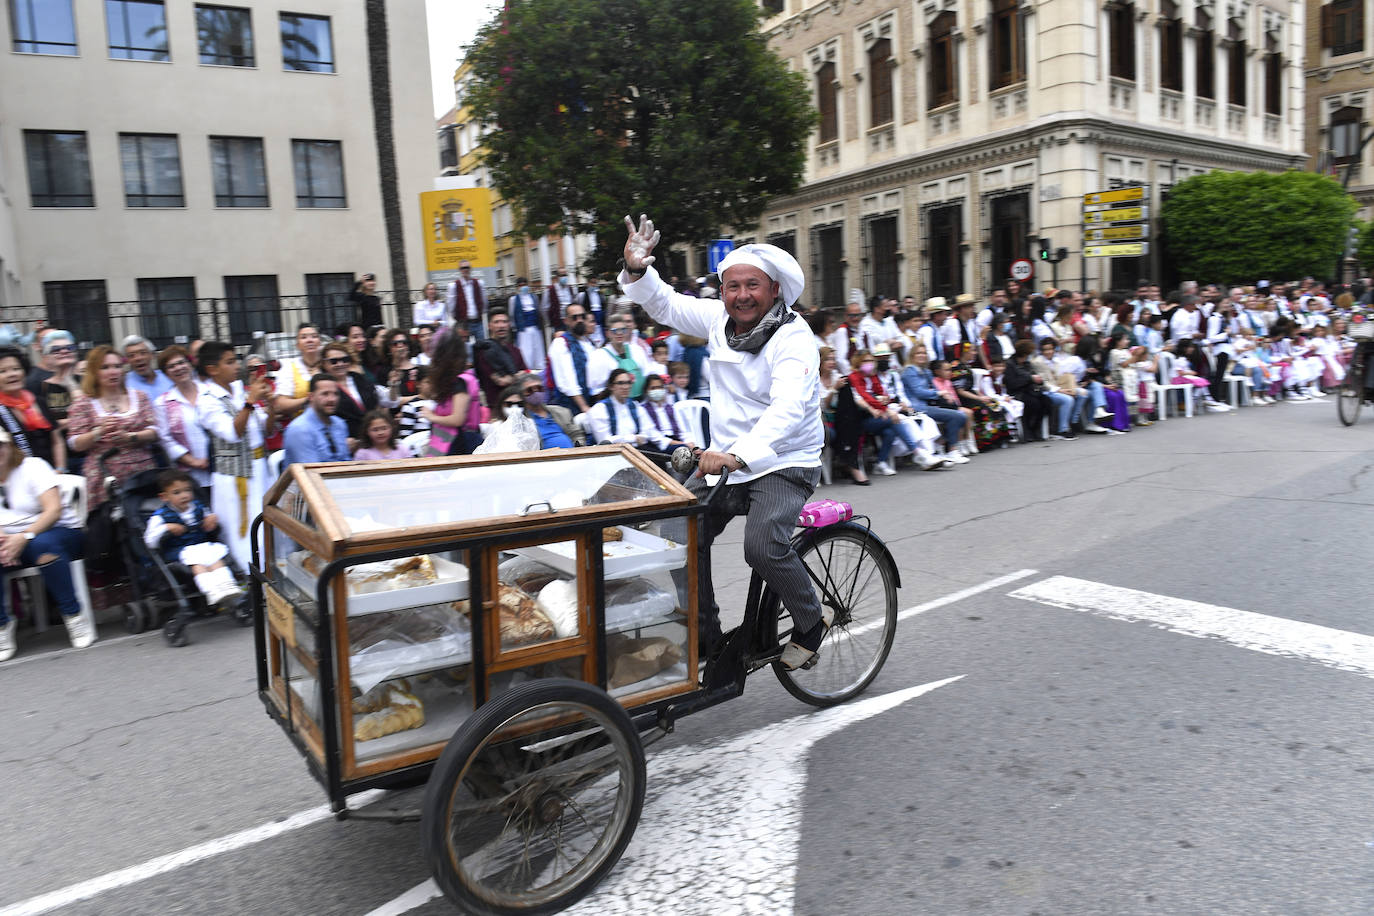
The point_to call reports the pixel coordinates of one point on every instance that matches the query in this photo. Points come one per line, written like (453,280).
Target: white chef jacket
(765,406)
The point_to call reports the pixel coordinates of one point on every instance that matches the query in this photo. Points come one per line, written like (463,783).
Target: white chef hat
(772,260)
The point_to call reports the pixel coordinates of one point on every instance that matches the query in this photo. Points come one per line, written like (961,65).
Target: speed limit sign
(1022,269)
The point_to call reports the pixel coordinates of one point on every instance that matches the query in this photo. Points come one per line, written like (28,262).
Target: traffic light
(1044,249)
(1352,242)
(1061,255)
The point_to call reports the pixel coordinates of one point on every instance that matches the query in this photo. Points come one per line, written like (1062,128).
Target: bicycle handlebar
(683,459)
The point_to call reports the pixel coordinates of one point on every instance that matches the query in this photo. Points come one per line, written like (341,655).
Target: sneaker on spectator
(1068,435)
(1218,407)
(1294,394)
(955,458)
(80,631)
(930,462)
(1102,413)
(883,469)
(1315,392)
(1115,432)
(8,645)
(1091,427)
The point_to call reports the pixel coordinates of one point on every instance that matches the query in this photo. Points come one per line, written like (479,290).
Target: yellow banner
(1112,197)
(456,226)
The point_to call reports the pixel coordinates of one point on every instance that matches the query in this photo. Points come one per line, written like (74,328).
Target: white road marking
(1333,648)
(85,890)
(412,899)
(721,822)
(951,598)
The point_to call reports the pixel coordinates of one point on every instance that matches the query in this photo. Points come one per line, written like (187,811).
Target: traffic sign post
(719,249)
(1116,224)
(1022,269)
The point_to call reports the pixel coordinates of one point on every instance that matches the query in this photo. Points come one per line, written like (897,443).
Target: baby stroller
(162,590)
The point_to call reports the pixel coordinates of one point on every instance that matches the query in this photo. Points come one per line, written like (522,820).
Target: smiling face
(179,370)
(337,361)
(11,374)
(748,294)
(308,341)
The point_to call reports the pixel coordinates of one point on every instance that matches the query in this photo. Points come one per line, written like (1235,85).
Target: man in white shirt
(931,334)
(765,416)
(557,298)
(1186,321)
(852,336)
(466,302)
(570,357)
(882,327)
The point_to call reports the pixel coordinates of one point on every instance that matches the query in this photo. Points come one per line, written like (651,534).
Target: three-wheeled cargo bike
(508,630)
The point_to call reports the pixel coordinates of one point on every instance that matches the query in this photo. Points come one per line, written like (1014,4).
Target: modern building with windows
(181,169)
(952,134)
(1340,94)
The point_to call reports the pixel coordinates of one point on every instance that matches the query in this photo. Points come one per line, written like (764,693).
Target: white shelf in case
(636,554)
(369,668)
(452,585)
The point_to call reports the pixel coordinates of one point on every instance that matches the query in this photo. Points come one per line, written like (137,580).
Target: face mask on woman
(657,394)
(1006,327)
(536,399)
(867,368)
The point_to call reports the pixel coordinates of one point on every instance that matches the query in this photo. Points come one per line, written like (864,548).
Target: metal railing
(234,320)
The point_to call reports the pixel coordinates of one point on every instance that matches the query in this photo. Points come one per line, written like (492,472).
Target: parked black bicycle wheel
(852,578)
(531,823)
(1351,393)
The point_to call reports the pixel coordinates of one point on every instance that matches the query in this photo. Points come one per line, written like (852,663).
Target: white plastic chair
(274,463)
(73,489)
(418,442)
(1165,386)
(696,416)
(1239,389)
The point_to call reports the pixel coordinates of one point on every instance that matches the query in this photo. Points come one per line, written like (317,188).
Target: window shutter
(1328,26)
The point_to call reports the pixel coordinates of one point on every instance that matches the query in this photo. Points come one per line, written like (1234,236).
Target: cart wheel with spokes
(853,579)
(1351,393)
(534,799)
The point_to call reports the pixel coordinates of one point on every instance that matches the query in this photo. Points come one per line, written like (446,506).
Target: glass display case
(396,597)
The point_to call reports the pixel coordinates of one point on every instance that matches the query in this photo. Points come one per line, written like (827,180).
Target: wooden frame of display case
(328,743)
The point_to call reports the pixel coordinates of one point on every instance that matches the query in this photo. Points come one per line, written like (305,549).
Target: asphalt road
(1078,765)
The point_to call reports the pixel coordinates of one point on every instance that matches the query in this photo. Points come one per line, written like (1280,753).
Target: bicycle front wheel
(852,578)
(1351,393)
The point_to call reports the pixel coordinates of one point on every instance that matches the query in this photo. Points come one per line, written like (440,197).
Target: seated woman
(989,426)
(27,420)
(918,381)
(842,426)
(36,529)
(555,424)
(1027,386)
(662,414)
(949,396)
(874,401)
(617,418)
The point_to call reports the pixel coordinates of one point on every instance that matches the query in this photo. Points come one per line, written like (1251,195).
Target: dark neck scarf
(753,341)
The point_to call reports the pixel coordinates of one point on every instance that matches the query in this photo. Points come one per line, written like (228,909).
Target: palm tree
(379,75)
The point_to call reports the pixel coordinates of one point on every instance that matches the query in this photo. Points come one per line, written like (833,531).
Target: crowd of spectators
(929,384)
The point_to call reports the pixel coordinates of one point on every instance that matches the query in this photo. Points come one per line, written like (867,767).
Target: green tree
(1366,254)
(603,108)
(1232,227)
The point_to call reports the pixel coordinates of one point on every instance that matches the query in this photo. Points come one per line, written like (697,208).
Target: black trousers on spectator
(1038,406)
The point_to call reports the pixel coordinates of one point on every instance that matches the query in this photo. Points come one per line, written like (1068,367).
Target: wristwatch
(743,465)
(29,535)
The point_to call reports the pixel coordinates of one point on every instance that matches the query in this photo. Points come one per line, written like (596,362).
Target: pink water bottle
(824,512)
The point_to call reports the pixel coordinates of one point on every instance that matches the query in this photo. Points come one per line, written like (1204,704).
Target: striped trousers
(770,505)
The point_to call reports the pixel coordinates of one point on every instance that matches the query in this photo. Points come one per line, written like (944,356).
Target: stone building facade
(955,135)
(1340,94)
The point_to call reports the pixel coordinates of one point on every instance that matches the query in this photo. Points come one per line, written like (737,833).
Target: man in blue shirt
(317,435)
(143,375)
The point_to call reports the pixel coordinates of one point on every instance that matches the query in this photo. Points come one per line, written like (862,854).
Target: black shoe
(1069,434)
(243,614)
(175,633)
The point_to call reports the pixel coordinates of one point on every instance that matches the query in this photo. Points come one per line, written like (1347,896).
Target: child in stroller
(181,532)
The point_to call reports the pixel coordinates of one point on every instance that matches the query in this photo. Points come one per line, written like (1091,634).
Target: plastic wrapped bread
(403,711)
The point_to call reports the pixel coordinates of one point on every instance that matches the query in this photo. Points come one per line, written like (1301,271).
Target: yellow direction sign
(1119,250)
(1114,197)
(1115,233)
(1118,215)
(457,227)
